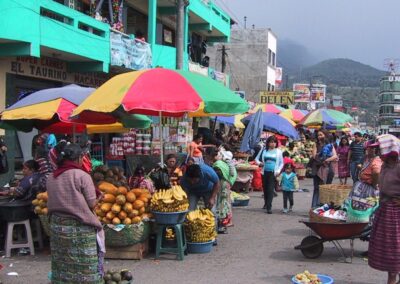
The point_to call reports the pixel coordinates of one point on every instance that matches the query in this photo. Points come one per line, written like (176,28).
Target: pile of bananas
(307,278)
(170,200)
(170,234)
(200,226)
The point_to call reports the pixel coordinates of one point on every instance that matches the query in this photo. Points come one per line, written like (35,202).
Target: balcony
(46,28)
(207,17)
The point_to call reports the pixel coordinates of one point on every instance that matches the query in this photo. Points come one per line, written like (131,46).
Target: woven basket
(333,193)
(44,220)
(301,173)
(128,236)
(314,217)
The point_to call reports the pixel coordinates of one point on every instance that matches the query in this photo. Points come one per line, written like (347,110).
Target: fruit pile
(114,175)
(121,206)
(200,226)
(307,278)
(170,234)
(114,277)
(170,200)
(40,203)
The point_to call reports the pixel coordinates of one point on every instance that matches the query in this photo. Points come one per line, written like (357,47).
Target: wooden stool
(181,246)
(27,243)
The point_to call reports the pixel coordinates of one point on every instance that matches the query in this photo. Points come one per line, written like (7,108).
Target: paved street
(258,249)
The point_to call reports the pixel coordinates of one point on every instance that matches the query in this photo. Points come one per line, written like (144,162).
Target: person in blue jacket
(271,159)
(201,181)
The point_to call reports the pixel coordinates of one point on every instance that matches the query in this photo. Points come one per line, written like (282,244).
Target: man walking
(356,156)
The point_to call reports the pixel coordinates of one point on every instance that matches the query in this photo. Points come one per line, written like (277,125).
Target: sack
(160,178)
(3,163)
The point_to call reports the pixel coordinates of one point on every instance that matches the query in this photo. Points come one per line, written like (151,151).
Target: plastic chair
(181,246)
(27,243)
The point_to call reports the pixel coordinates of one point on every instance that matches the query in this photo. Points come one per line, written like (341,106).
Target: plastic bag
(160,178)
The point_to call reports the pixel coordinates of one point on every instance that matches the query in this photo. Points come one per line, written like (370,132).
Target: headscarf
(224,167)
(389,145)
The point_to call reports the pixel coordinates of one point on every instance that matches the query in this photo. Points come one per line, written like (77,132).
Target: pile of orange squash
(40,203)
(120,205)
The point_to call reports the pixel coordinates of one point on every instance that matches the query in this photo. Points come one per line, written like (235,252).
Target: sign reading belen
(279,98)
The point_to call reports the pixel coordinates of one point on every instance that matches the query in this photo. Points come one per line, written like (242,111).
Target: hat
(372,144)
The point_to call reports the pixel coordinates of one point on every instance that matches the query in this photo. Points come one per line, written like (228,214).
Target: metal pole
(180,21)
(161,141)
(223,62)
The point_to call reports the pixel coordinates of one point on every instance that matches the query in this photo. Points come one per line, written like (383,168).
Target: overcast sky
(363,30)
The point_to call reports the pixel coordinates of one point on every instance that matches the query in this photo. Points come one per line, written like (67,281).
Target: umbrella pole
(74,133)
(161,141)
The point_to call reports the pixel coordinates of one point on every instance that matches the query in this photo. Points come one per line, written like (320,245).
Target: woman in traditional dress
(77,236)
(227,175)
(384,244)
(323,155)
(343,165)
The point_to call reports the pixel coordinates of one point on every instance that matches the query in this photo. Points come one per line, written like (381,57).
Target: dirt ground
(258,249)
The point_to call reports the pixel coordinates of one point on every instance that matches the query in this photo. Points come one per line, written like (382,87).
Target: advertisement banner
(129,52)
(278,77)
(279,98)
(197,68)
(302,93)
(219,76)
(241,94)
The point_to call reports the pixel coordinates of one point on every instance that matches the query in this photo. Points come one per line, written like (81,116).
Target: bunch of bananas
(200,226)
(307,278)
(170,234)
(170,200)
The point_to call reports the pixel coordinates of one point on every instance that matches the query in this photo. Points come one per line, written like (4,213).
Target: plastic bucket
(169,218)
(238,203)
(325,279)
(200,247)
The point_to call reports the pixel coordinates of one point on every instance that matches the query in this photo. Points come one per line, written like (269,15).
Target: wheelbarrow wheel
(311,247)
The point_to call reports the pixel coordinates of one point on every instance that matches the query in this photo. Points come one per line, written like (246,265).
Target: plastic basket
(44,220)
(359,216)
(314,217)
(200,247)
(169,218)
(325,279)
(239,203)
(128,236)
(333,193)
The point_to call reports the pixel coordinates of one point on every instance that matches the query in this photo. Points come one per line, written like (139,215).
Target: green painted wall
(21,20)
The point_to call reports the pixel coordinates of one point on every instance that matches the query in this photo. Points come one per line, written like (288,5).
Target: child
(289,183)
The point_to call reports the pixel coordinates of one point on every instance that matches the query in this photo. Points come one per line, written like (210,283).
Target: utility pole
(180,22)
(223,62)
(245,21)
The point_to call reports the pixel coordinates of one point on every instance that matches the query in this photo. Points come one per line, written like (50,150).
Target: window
(273,59)
(269,56)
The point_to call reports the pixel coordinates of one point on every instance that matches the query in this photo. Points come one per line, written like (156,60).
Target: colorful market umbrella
(232,120)
(49,110)
(159,92)
(293,114)
(268,108)
(325,117)
(277,124)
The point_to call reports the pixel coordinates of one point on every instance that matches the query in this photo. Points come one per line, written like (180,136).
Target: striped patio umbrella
(325,117)
(293,114)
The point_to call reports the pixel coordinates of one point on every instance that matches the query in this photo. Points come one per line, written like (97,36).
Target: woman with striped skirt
(77,237)
(384,245)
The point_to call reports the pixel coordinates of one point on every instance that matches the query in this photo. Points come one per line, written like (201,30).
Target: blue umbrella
(275,123)
(72,93)
(253,131)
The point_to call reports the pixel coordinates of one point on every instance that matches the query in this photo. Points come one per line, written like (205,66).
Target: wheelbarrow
(312,246)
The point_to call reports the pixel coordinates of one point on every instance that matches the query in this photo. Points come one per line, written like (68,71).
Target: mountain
(340,72)
(293,56)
